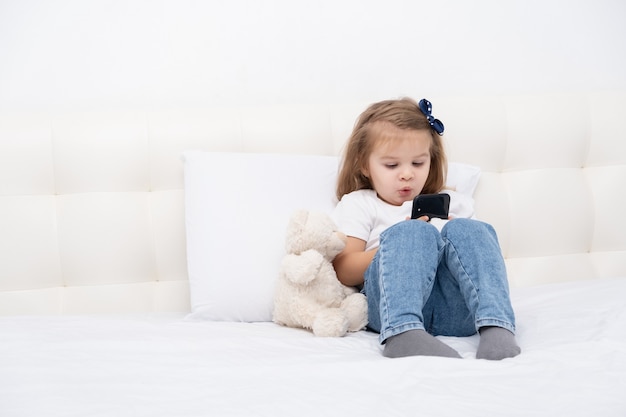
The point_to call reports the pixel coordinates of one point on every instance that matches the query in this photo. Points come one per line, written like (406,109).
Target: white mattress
(573,363)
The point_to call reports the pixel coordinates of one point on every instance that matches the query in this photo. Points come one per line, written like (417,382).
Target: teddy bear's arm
(303,268)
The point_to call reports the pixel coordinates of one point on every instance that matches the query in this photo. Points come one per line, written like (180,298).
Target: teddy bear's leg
(355,308)
(331,322)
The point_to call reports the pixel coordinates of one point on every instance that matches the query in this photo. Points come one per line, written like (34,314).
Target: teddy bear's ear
(297,223)
(299,217)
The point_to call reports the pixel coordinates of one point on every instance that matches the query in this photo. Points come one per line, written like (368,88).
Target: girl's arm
(351,263)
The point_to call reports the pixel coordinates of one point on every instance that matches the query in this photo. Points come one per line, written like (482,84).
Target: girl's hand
(423,218)
(426,218)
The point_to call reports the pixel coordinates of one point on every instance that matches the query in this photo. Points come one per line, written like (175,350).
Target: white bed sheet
(573,363)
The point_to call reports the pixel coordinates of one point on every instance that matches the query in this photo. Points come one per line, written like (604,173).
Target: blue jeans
(450,283)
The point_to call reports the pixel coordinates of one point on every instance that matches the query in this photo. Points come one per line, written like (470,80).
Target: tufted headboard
(92,202)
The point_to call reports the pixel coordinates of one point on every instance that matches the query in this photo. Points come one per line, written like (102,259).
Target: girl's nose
(407,175)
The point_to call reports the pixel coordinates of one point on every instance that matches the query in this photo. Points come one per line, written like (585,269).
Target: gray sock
(417,343)
(496,343)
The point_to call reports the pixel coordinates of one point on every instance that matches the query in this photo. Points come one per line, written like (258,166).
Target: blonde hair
(403,114)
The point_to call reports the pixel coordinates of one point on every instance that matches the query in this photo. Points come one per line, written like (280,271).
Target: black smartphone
(431,205)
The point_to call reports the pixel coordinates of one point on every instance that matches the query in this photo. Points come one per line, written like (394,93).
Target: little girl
(421,278)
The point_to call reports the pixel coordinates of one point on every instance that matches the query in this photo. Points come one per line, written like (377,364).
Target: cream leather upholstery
(91,203)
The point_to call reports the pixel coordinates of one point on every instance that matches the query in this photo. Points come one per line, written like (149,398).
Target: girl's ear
(365,172)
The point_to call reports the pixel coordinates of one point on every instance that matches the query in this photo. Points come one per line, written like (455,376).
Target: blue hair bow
(426,107)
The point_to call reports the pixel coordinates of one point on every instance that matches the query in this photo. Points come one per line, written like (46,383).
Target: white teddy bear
(308,294)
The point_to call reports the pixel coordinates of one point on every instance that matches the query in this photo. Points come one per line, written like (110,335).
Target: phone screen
(431,205)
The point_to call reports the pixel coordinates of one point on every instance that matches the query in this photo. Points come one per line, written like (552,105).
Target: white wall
(162,53)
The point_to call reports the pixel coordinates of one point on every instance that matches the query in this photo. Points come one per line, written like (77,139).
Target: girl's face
(399,166)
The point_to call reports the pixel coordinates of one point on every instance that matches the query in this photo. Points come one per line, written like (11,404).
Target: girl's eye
(418,164)
(391,165)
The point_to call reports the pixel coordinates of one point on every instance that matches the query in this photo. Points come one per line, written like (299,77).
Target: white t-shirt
(361,214)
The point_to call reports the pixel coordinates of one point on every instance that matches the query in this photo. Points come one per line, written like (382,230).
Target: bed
(573,338)
(134,283)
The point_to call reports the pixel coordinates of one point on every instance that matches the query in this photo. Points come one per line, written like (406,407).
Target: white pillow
(237,206)
(462,178)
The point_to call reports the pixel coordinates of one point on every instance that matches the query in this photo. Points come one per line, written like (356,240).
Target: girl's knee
(411,234)
(467,227)
(410,228)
